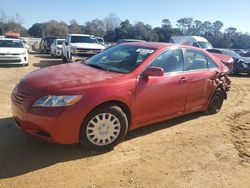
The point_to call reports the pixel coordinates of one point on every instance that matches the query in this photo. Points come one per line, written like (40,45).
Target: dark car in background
(241,64)
(45,44)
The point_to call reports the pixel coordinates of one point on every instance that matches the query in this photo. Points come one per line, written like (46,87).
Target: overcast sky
(231,12)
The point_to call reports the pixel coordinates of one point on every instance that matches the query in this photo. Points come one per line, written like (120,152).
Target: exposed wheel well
(120,104)
(223,91)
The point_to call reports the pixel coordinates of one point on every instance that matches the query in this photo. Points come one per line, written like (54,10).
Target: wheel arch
(120,104)
(220,86)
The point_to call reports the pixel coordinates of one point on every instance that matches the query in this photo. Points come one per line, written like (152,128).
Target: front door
(159,97)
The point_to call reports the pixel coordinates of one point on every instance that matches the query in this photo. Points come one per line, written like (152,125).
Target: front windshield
(100,40)
(11,44)
(83,39)
(59,42)
(121,58)
(205,45)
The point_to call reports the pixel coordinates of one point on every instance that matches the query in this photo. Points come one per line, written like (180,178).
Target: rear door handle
(183,80)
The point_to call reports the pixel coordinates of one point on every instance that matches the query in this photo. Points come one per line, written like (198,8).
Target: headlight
(23,52)
(57,101)
(73,50)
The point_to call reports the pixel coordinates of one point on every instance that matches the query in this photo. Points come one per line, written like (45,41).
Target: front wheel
(104,128)
(216,101)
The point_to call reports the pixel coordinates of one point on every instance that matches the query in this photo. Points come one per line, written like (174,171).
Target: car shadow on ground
(47,56)
(10,66)
(21,154)
(47,63)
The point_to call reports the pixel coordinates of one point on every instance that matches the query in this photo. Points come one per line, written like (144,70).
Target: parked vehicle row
(125,87)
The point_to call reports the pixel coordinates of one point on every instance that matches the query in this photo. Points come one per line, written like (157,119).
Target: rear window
(11,44)
(83,39)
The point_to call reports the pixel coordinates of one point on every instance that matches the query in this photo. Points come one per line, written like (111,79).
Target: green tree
(36,30)
(54,28)
(185,24)
(75,28)
(95,27)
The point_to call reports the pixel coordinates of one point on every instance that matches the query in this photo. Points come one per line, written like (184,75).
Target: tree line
(112,28)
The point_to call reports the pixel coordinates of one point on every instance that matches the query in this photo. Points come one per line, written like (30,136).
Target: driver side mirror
(66,43)
(154,71)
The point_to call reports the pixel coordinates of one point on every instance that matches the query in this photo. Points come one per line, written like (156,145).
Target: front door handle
(183,80)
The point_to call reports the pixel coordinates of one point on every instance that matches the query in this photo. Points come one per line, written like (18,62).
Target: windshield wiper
(103,68)
(96,66)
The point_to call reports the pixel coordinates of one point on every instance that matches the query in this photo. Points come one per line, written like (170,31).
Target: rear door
(200,79)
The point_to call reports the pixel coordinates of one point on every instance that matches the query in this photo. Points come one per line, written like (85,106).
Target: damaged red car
(96,102)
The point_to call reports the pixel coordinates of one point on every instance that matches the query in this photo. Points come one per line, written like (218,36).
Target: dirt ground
(191,151)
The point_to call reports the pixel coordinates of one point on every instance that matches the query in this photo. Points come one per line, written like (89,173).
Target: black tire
(216,102)
(64,59)
(69,59)
(108,109)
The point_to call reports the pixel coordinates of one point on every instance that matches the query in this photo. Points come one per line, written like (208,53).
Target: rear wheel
(216,101)
(104,128)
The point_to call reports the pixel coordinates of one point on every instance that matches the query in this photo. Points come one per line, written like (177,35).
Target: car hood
(11,50)
(88,45)
(68,76)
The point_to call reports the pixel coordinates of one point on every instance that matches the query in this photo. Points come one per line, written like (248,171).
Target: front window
(59,42)
(121,58)
(170,61)
(205,45)
(83,39)
(11,44)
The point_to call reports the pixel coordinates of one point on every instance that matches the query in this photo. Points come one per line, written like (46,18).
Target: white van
(196,41)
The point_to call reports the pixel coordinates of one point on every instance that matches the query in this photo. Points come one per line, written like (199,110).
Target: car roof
(160,45)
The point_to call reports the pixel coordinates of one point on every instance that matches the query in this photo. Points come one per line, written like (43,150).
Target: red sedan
(124,87)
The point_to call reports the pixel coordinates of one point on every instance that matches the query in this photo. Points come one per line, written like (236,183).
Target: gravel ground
(191,151)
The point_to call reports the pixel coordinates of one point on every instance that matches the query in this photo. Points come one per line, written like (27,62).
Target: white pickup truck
(79,47)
